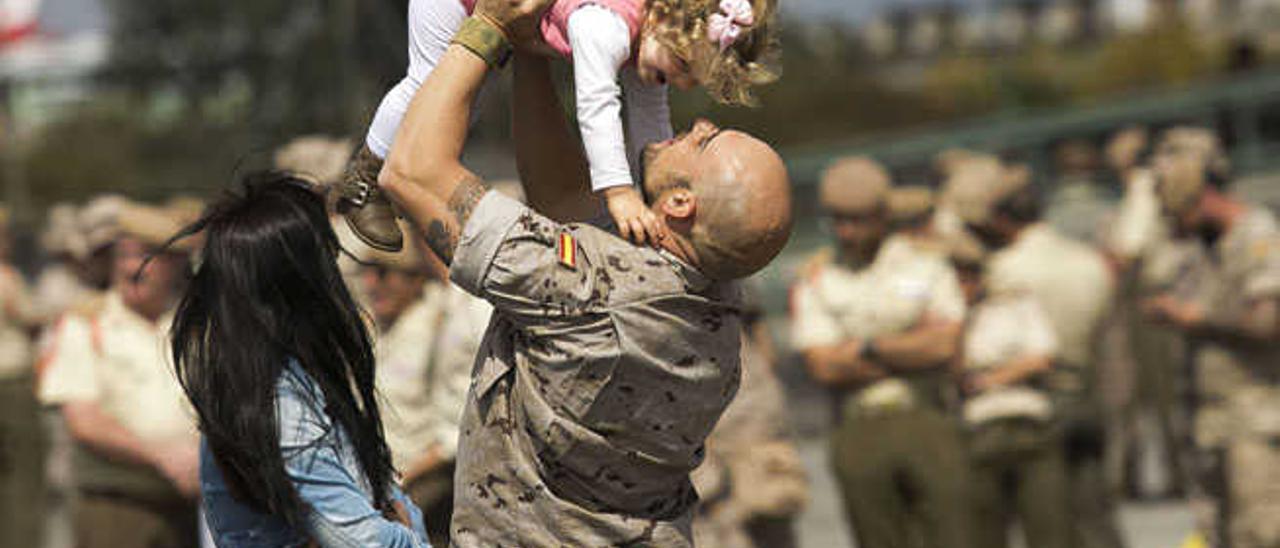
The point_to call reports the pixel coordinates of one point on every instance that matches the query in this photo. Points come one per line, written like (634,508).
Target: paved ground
(1162,525)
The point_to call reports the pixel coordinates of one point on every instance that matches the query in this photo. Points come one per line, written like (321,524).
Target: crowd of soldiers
(992,349)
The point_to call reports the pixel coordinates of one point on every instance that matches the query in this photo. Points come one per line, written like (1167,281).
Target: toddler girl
(622,50)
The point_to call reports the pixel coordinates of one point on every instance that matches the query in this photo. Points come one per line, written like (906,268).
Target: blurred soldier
(109,371)
(1233,321)
(1078,204)
(911,221)
(22,442)
(881,332)
(100,226)
(60,285)
(1018,468)
(752,482)
(1149,261)
(428,335)
(1073,285)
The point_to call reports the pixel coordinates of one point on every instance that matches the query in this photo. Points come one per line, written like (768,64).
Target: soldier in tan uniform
(428,332)
(1018,468)
(1233,322)
(606,365)
(22,441)
(1073,285)
(752,484)
(1149,262)
(880,328)
(109,372)
(911,221)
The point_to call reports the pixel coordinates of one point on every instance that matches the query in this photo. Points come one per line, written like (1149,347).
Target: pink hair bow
(725,27)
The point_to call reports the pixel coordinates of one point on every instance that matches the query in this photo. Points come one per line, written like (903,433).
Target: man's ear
(679,204)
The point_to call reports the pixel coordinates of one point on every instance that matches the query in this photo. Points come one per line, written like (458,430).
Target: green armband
(485,39)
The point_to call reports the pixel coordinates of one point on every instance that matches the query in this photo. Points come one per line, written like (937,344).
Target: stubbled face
(680,158)
(390,292)
(859,234)
(657,65)
(1172,168)
(151,291)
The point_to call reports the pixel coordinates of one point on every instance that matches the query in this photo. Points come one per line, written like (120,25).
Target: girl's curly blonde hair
(728,76)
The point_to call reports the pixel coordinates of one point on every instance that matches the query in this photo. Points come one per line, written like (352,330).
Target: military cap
(152,225)
(100,221)
(62,234)
(910,204)
(321,159)
(948,161)
(854,184)
(187,209)
(979,186)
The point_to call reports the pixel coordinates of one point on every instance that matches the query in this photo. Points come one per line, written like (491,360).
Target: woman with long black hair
(275,357)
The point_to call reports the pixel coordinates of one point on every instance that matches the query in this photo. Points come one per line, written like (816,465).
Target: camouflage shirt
(603,371)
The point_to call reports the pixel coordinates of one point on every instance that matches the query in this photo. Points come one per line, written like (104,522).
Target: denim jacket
(322,463)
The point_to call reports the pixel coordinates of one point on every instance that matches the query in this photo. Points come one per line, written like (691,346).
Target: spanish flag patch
(568,250)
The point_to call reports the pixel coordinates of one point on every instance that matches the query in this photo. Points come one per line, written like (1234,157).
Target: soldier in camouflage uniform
(606,365)
(1232,319)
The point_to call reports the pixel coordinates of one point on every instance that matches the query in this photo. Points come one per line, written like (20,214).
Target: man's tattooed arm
(465,198)
(441,235)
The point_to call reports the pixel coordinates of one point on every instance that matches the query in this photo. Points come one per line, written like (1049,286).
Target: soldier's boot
(366,209)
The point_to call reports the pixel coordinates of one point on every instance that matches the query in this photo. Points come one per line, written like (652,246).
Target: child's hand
(635,221)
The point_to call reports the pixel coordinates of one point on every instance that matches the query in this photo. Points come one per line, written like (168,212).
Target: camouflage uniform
(753,483)
(1237,416)
(602,374)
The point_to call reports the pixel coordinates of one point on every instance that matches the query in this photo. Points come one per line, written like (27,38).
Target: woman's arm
(339,512)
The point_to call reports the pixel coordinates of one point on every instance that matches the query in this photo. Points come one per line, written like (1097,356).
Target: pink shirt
(555,23)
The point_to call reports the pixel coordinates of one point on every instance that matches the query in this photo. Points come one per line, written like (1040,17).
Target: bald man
(606,365)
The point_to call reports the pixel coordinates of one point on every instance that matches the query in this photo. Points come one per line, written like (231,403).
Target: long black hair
(268,290)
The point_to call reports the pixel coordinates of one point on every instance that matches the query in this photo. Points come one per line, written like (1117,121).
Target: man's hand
(519,19)
(179,463)
(1168,310)
(635,221)
(1125,147)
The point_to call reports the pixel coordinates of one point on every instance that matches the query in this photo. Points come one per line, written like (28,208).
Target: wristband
(485,38)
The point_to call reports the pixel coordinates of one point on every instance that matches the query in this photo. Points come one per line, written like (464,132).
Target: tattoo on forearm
(441,240)
(442,234)
(465,198)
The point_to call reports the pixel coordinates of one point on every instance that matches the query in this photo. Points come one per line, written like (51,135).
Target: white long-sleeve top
(601,44)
